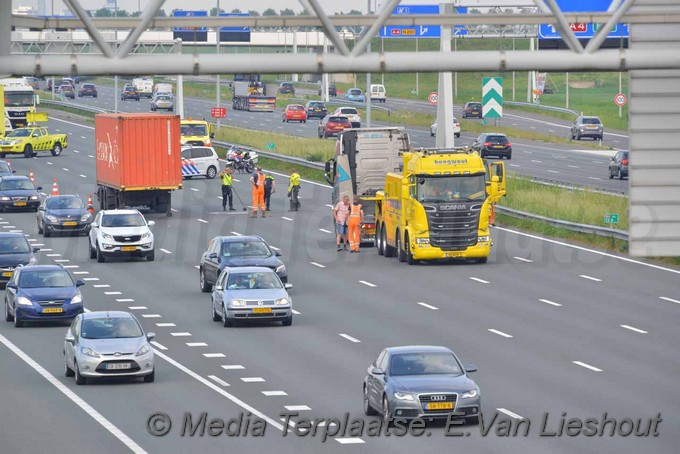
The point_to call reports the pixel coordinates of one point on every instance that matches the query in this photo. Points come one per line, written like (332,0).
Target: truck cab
(196,132)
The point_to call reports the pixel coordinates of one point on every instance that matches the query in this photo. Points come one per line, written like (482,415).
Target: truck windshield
(451,188)
(24,99)
(193,130)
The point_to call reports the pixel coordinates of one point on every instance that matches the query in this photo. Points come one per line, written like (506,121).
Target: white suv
(199,161)
(351,113)
(121,233)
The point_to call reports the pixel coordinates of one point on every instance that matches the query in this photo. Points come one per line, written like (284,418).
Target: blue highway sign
(582,30)
(419,31)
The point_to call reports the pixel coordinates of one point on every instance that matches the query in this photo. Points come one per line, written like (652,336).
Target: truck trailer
(252,96)
(138,160)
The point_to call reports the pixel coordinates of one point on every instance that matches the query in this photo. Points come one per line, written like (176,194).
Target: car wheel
(215,316)
(67,370)
(482,260)
(225,320)
(56,151)
(611,175)
(368,410)
(509,156)
(8,316)
(100,256)
(151,257)
(17,323)
(205,286)
(386,411)
(93,252)
(288,321)
(149,378)
(401,255)
(47,233)
(28,151)
(457,135)
(41,230)
(619,174)
(80,380)
(211,173)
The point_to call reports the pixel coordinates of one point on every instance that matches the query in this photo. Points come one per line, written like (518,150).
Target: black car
(237,251)
(286,88)
(494,144)
(63,214)
(18,192)
(472,110)
(5,169)
(87,90)
(14,251)
(316,109)
(332,90)
(618,167)
(129,92)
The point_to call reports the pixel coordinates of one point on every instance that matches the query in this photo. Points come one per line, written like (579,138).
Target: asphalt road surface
(554,329)
(561,163)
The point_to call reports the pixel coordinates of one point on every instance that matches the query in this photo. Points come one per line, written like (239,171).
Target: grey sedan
(420,382)
(251,294)
(106,344)
(162,102)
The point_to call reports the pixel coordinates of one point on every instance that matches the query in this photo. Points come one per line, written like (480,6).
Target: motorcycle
(241,160)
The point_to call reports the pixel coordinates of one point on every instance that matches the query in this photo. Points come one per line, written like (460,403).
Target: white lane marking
(274,393)
(297,407)
(173,210)
(90,156)
(500,333)
(329,205)
(202,220)
(64,169)
(214,355)
(32,240)
(218,380)
(252,379)
(587,366)
(325,231)
(137,308)
(573,167)
(70,267)
(125,300)
(194,189)
(552,171)
(479,280)
(214,387)
(350,441)
(196,344)
(76,151)
(509,413)
(83,137)
(83,176)
(552,303)
(151,315)
(350,338)
(182,334)
(49,163)
(429,306)
(671,300)
(232,367)
(534,160)
(101,286)
(112,293)
(94,414)
(86,278)
(236,233)
(368,284)
(52,255)
(318,265)
(590,278)
(522,259)
(165,325)
(637,330)
(595,178)
(15,231)
(159,346)
(46,250)
(166,251)
(296,312)
(285,218)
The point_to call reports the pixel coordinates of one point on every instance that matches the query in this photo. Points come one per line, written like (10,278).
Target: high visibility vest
(355,211)
(268,182)
(258,178)
(294,181)
(226,179)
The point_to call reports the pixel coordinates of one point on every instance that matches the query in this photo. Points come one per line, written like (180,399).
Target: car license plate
(439,406)
(53,310)
(118,366)
(262,310)
(454,254)
(70,223)
(498,146)
(7,274)
(128,248)
(19,204)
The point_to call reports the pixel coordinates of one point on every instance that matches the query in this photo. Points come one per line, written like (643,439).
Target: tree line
(106,12)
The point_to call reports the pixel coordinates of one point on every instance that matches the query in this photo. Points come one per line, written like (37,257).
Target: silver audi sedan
(420,382)
(251,293)
(108,344)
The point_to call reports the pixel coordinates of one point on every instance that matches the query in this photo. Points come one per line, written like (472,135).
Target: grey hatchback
(587,127)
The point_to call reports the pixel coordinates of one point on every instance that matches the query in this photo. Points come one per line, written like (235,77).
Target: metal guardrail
(343,103)
(268,154)
(540,106)
(84,108)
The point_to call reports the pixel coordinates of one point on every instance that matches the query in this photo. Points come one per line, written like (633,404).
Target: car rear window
(349,111)
(338,120)
(496,139)
(88,86)
(355,92)
(317,104)
(296,108)
(591,121)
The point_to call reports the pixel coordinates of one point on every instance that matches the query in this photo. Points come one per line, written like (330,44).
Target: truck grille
(453,230)
(127,239)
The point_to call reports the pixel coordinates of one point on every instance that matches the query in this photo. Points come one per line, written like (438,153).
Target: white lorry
(144,86)
(19,98)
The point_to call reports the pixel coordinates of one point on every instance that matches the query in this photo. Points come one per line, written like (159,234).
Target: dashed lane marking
(252,379)
(165,325)
(297,407)
(590,278)
(214,355)
(368,284)
(232,367)
(137,308)
(318,265)
(274,393)
(522,259)
(428,306)
(510,413)
(166,251)
(113,293)
(350,338)
(500,333)
(151,315)
(325,231)
(479,280)
(552,303)
(196,344)
(587,366)
(631,328)
(125,300)
(202,220)
(182,334)
(670,300)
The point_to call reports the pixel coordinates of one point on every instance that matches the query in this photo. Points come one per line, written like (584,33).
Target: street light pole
(217,77)
(368,82)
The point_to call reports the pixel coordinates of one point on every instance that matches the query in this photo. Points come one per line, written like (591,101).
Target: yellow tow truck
(32,139)
(196,132)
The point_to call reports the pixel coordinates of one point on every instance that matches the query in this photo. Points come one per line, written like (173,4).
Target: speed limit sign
(433,97)
(620,99)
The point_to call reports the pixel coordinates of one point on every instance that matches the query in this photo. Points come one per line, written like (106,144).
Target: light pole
(217,77)
(368,81)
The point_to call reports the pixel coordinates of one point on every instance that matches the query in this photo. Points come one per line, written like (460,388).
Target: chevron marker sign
(492,97)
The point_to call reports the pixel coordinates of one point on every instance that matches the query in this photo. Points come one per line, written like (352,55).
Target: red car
(333,125)
(295,112)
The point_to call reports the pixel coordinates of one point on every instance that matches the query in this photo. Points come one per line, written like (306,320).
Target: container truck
(438,206)
(251,96)
(138,160)
(362,159)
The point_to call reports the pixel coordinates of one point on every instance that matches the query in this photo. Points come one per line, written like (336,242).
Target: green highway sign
(611,218)
(271,146)
(492,97)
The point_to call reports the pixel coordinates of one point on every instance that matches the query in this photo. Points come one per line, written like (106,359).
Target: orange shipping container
(138,151)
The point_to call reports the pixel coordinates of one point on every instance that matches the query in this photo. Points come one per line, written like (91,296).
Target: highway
(553,328)
(561,163)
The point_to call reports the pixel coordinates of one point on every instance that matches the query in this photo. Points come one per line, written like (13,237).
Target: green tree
(269,12)
(252,12)
(287,12)
(355,12)
(213,11)
(236,11)
(103,12)
(161,13)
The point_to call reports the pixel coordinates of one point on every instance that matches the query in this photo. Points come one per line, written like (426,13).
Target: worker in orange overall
(258,193)
(356,217)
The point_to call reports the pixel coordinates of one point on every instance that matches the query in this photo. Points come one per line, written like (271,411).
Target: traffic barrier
(90,204)
(55,188)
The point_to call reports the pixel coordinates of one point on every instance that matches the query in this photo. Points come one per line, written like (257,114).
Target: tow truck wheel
(56,150)
(378,240)
(401,255)
(387,249)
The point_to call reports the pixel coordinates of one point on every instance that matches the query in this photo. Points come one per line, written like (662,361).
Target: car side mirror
(11,285)
(277,253)
(151,223)
(80,282)
(36,249)
(212,255)
(219,287)
(94,225)
(39,188)
(377,371)
(70,338)
(288,286)
(470,368)
(150,336)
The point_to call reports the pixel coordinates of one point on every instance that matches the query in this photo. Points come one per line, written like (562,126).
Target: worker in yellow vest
(226,180)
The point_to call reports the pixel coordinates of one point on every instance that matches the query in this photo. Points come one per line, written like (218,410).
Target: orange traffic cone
(90,205)
(55,188)
(30,175)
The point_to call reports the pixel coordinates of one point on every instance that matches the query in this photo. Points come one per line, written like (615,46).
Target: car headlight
(78,299)
(422,241)
(4,198)
(281,301)
(483,239)
(51,218)
(146,235)
(23,301)
(469,394)
(403,396)
(280,269)
(85,217)
(34,197)
(87,351)
(106,236)
(143,350)
(238,303)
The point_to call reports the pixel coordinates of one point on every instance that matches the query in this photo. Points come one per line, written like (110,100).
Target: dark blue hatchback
(42,293)
(15,250)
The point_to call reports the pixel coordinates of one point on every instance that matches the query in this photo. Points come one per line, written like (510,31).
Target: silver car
(251,294)
(420,382)
(587,127)
(108,344)
(162,102)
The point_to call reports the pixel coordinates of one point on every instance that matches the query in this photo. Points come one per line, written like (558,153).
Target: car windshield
(193,130)
(591,121)
(259,280)
(497,139)
(355,92)
(50,278)
(4,168)
(245,249)
(14,245)
(451,188)
(64,203)
(20,133)
(123,220)
(425,364)
(16,184)
(110,328)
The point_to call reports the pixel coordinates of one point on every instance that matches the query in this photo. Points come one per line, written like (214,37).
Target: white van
(377,92)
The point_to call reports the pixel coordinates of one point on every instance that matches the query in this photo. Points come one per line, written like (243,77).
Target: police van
(199,161)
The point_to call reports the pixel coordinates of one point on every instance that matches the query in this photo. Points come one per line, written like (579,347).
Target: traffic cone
(55,188)
(30,175)
(90,205)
